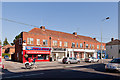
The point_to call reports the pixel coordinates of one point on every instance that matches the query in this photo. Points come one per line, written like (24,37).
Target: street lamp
(101,35)
(84,51)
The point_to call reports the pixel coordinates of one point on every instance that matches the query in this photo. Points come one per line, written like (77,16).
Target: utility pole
(101,37)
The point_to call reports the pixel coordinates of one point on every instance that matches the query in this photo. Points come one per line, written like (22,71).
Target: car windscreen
(115,61)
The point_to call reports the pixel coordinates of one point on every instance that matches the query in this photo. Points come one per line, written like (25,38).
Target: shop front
(58,53)
(104,56)
(40,53)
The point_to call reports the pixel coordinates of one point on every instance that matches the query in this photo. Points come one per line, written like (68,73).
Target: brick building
(8,49)
(57,44)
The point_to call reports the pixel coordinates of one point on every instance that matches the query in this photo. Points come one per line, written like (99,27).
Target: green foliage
(0,42)
(16,37)
(5,42)
(3,54)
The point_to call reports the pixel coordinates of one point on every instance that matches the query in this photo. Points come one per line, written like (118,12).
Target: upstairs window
(86,45)
(65,44)
(81,45)
(60,43)
(77,45)
(103,47)
(38,41)
(45,42)
(90,46)
(97,46)
(93,46)
(73,45)
(29,40)
(54,43)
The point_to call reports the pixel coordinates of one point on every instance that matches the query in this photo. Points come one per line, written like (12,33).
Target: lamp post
(101,36)
(84,51)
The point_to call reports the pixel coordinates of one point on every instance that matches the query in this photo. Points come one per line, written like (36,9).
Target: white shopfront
(81,53)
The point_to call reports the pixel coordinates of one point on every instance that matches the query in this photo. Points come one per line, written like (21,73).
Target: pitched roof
(8,46)
(114,42)
(61,34)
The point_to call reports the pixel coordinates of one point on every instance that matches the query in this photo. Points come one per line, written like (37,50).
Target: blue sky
(83,17)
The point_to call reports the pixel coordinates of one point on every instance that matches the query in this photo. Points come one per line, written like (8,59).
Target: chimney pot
(42,27)
(94,38)
(112,39)
(75,33)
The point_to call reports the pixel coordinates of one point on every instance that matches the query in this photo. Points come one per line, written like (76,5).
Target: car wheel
(78,62)
(69,62)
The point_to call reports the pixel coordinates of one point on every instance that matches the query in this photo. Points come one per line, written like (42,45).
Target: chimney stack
(112,39)
(75,33)
(94,38)
(43,28)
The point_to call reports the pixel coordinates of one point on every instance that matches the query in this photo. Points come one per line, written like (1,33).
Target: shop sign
(37,48)
(59,49)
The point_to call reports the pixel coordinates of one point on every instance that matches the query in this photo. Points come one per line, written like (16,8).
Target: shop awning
(37,52)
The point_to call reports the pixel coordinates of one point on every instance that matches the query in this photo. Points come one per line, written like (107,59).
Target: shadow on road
(97,67)
(63,73)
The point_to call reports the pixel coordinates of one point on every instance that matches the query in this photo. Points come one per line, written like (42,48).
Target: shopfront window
(43,57)
(45,42)
(40,57)
(73,45)
(54,43)
(38,41)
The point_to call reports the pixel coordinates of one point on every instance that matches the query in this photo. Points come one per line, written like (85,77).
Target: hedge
(3,54)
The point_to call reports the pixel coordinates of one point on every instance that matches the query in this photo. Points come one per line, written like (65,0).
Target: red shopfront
(41,54)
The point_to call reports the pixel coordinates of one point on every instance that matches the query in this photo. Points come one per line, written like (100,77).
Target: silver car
(113,65)
(69,60)
(91,59)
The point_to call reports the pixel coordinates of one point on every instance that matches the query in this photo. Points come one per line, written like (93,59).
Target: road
(48,70)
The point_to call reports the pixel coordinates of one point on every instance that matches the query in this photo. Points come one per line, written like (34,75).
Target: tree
(0,42)
(16,37)
(5,42)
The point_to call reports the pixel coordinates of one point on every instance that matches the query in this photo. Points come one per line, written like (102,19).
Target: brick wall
(58,39)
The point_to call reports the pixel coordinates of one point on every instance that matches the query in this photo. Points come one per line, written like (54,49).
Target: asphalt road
(83,71)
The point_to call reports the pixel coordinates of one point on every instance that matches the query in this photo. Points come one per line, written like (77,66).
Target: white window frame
(72,44)
(38,41)
(77,45)
(54,43)
(30,41)
(87,46)
(65,44)
(81,45)
(97,46)
(46,43)
(60,43)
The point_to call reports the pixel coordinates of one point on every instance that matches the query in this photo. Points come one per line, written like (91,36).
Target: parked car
(69,60)
(6,57)
(91,59)
(113,65)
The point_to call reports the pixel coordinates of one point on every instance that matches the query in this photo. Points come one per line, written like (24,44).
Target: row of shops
(47,53)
